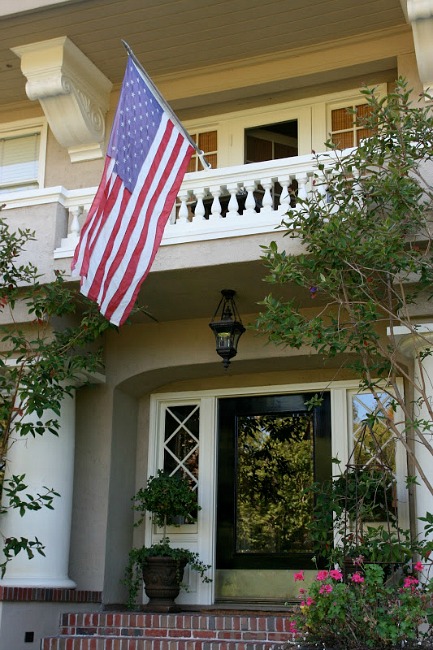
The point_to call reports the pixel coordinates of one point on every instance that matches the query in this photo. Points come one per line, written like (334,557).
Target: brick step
(113,643)
(149,631)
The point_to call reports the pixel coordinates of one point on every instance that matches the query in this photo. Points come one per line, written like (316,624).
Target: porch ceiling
(194,293)
(172,36)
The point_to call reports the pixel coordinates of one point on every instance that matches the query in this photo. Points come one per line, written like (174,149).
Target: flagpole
(166,106)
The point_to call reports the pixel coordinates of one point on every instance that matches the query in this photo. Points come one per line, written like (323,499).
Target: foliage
(366,261)
(47,333)
(346,506)
(364,611)
(275,464)
(167,497)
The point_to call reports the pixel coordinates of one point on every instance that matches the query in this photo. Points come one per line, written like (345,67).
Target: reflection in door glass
(275,465)
(373,442)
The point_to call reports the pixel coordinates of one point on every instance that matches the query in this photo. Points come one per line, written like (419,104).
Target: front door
(270,448)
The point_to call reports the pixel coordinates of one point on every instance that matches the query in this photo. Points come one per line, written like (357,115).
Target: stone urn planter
(162,577)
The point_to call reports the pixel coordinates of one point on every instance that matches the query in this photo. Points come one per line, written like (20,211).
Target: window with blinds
(347,125)
(208,143)
(20,161)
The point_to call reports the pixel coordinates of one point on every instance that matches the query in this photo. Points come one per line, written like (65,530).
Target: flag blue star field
(147,158)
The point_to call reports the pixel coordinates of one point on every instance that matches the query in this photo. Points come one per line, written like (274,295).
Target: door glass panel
(374,445)
(374,456)
(275,465)
(269,449)
(181,441)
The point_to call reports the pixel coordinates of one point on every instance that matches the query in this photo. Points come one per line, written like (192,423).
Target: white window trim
(188,536)
(356,99)
(27,127)
(311,113)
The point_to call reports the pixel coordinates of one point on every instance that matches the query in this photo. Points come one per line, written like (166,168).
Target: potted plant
(170,501)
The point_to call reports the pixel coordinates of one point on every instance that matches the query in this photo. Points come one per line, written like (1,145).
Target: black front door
(270,449)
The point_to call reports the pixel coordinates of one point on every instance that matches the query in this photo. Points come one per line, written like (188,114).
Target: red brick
(230,634)
(204,634)
(184,622)
(179,633)
(280,624)
(254,636)
(277,636)
(262,623)
(117,644)
(155,632)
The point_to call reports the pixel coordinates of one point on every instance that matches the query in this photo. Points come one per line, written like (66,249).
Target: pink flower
(336,574)
(302,591)
(299,576)
(418,566)
(292,627)
(357,577)
(410,581)
(325,589)
(322,575)
(310,601)
(358,560)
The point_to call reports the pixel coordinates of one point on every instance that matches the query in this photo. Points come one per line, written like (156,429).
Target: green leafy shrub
(364,611)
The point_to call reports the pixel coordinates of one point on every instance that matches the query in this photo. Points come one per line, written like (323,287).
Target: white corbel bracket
(73,92)
(420,15)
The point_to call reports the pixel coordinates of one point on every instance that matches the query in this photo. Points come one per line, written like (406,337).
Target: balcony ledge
(214,204)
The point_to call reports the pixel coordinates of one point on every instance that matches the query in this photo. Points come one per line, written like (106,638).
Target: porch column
(412,345)
(46,460)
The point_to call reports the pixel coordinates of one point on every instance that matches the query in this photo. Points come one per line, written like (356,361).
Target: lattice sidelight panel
(181,442)
(373,442)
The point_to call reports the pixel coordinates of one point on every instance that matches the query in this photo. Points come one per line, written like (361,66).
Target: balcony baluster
(250,201)
(267,201)
(183,209)
(216,209)
(284,206)
(233,205)
(200,210)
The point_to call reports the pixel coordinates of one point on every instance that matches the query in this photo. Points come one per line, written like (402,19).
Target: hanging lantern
(227,327)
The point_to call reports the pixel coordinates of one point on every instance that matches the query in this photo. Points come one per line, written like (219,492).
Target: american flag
(147,157)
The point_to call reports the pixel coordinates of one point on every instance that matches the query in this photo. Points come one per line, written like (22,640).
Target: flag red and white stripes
(147,158)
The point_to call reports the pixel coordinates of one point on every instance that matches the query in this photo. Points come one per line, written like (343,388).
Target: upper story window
(22,156)
(347,125)
(208,143)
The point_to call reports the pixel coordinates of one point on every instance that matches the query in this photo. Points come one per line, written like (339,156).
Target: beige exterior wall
(113,427)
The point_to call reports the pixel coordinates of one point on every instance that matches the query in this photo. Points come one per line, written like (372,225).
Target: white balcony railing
(212,204)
